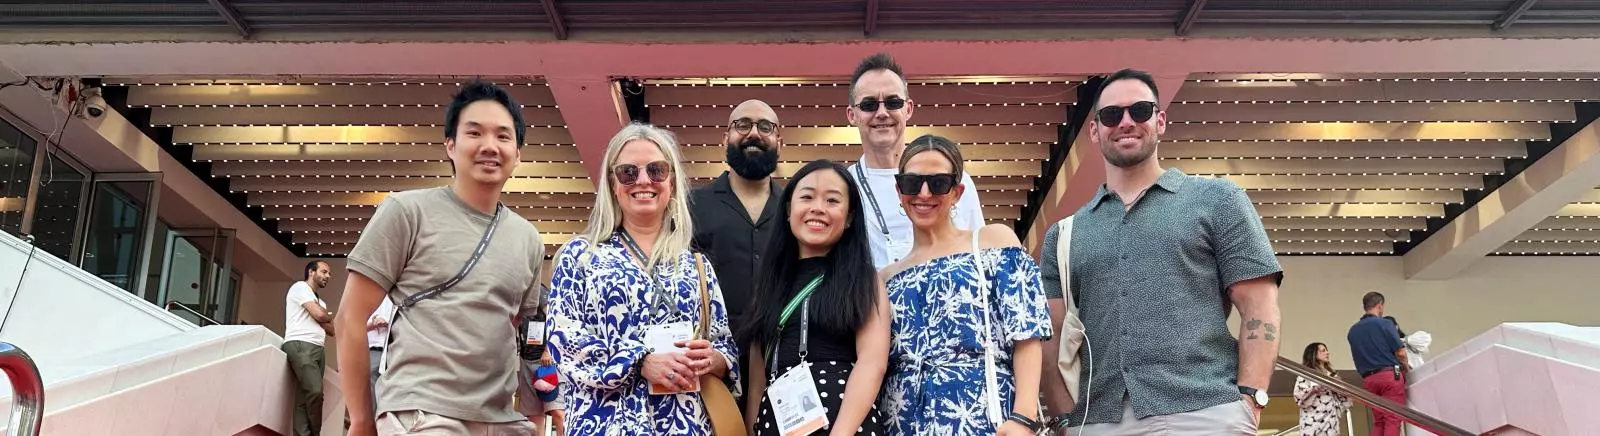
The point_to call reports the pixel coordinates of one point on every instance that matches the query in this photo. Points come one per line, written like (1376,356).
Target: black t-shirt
(821,344)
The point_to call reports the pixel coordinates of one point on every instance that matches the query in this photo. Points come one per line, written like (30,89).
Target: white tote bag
(1072,339)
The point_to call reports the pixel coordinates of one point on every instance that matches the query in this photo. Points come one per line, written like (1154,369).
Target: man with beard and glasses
(733,215)
(880,107)
(1157,258)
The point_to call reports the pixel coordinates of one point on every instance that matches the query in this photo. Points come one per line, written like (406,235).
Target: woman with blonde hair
(625,303)
(969,313)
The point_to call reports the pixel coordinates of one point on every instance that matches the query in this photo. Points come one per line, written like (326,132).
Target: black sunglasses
(871,104)
(628,174)
(911,184)
(1141,112)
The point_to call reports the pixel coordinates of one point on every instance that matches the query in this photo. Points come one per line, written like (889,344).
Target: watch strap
(1031,424)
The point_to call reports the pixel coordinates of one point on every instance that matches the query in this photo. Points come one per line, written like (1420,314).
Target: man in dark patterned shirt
(1157,260)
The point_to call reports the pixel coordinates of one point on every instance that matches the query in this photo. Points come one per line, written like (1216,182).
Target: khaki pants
(306,362)
(1236,418)
(417,422)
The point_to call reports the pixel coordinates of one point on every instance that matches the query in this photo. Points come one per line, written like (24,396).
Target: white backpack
(1072,338)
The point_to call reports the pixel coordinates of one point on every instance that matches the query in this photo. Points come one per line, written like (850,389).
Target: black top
(822,345)
(734,242)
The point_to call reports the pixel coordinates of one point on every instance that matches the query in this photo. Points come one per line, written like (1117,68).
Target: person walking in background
(1416,353)
(1321,409)
(307,324)
(377,339)
(821,314)
(1381,360)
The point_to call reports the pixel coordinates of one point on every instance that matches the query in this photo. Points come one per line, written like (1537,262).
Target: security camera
(93,105)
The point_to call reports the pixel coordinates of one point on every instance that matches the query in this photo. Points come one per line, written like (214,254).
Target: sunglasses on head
(628,174)
(911,184)
(1140,112)
(871,104)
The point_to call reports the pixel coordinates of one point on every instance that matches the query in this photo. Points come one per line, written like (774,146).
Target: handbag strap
(1064,263)
(483,245)
(703,331)
(991,385)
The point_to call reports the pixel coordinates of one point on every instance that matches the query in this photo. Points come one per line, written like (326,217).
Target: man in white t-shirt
(307,323)
(377,338)
(880,106)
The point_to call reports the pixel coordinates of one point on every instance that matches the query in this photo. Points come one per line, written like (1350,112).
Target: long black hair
(849,291)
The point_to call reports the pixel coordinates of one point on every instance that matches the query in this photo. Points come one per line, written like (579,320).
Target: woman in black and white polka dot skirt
(819,306)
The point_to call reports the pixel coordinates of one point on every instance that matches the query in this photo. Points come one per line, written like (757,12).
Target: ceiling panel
(1353,164)
(361,152)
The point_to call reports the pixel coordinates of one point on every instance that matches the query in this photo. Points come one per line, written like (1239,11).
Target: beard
(752,164)
(1115,156)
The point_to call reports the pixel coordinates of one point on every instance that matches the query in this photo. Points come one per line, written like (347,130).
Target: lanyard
(802,299)
(657,303)
(804,295)
(861,178)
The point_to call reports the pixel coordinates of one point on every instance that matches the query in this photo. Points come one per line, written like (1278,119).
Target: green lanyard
(794,303)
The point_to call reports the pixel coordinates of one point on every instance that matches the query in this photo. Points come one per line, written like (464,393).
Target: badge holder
(795,404)
(665,337)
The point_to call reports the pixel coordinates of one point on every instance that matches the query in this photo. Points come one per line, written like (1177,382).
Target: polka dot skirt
(831,378)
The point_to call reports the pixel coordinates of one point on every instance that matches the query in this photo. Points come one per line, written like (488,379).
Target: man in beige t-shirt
(451,362)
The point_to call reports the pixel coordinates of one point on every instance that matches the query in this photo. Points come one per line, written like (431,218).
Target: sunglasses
(911,184)
(628,174)
(871,104)
(1112,115)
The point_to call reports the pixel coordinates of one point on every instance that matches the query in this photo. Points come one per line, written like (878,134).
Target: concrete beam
(804,59)
(112,144)
(592,109)
(1566,174)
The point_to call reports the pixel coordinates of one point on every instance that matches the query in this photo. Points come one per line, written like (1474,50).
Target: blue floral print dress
(598,310)
(935,383)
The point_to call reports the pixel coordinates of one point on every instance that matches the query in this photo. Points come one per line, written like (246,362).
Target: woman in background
(1320,407)
(818,276)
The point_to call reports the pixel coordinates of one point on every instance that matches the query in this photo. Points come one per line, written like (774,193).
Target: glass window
(60,196)
(16,172)
(114,241)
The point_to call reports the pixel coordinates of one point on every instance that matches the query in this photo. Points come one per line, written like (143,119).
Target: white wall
(63,313)
(1321,298)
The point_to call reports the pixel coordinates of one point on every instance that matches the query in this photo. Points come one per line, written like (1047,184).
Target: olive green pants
(305,361)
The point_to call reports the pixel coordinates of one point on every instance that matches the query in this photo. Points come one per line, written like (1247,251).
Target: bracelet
(1061,422)
(1025,421)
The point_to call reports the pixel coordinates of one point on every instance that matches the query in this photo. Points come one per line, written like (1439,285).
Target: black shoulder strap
(483,245)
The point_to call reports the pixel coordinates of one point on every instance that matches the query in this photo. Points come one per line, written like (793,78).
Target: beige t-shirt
(454,354)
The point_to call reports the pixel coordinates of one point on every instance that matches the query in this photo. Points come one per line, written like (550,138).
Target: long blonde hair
(677,229)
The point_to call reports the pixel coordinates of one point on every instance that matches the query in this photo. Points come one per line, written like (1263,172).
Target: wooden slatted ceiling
(1574,230)
(1351,164)
(1005,126)
(317,157)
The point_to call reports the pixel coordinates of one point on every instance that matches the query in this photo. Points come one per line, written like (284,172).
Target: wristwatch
(1258,395)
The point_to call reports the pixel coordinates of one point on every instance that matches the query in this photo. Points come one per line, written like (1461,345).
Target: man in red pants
(1380,358)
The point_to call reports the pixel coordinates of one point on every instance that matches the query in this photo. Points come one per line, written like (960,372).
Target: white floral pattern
(1320,408)
(935,382)
(598,310)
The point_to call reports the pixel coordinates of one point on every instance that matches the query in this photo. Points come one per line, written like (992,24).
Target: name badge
(795,402)
(535,333)
(664,338)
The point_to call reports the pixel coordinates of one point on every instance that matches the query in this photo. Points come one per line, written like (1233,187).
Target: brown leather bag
(726,418)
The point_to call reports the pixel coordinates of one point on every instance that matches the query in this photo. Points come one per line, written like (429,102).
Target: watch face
(1261,398)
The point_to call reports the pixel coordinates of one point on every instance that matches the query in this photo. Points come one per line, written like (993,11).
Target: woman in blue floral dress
(951,306)
(630,272)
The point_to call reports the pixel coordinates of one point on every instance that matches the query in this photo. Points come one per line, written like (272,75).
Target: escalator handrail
(1407,414)
(186,308)
(27,400)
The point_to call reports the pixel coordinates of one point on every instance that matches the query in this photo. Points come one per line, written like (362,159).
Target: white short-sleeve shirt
(297,324)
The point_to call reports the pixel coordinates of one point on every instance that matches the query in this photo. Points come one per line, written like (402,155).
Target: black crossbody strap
(477,254)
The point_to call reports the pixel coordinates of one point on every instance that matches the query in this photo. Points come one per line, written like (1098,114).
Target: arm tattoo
(1252,326)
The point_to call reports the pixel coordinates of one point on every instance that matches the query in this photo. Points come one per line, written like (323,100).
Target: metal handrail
(27,402)
(1287,430)
(1406,414)
(191,311)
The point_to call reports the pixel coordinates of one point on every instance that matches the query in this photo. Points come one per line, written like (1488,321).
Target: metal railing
(1409,415)
(27,399)
(186,308)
